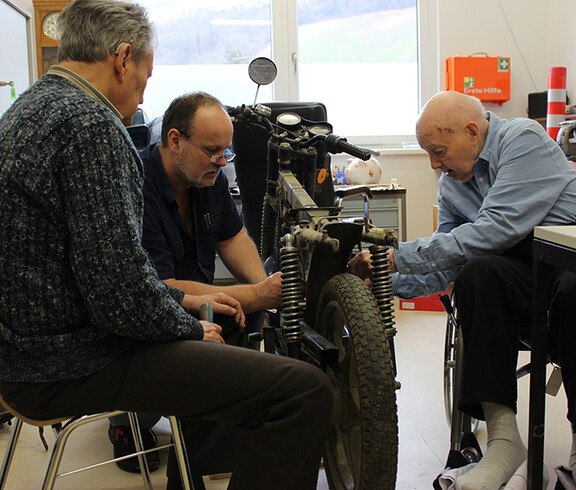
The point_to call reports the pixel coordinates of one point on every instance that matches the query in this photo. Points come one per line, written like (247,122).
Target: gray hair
(92,30)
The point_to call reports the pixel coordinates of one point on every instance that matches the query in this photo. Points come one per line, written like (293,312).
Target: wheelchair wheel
(452,349)
(362,447)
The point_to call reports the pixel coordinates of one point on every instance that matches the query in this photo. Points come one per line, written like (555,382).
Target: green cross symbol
(503,64)
(469,82)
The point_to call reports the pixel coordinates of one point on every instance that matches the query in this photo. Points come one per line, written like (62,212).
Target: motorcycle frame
(297,169)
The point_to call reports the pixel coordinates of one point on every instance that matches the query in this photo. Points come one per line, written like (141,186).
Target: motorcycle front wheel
(362,448)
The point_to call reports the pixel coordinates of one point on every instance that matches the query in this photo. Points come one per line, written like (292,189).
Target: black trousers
(281,406)
(493,297)
(211,446)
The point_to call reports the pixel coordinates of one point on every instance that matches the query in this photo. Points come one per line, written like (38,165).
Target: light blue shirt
(522,179)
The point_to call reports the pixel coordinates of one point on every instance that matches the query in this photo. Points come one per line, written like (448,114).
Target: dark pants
(493,297)
(211,446)
(281,406)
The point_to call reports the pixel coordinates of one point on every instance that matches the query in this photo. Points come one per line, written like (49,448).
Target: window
(360,58)
(207,46)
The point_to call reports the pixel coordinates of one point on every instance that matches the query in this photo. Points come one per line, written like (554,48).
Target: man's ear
(175,141)
(472,129)
(123,54)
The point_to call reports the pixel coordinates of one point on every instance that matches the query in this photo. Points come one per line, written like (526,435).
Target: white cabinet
(387,209)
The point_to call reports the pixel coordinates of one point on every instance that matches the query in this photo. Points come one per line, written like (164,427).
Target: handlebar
(258,116)
(337,144)
(205,312)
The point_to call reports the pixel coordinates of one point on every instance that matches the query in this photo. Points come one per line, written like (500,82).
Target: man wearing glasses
(189,215)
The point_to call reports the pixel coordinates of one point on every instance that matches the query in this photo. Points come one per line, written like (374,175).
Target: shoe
(123,442)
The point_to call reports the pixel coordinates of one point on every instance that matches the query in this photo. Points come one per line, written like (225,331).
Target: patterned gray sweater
(76,287)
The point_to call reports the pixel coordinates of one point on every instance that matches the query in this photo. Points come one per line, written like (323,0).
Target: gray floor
(423,429)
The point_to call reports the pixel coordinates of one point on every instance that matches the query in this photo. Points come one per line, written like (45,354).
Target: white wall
(535,34)
(15,63)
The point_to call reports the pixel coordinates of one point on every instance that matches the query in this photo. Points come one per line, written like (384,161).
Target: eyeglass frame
(214,158)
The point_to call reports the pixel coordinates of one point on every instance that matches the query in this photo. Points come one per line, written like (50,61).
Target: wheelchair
(464,446)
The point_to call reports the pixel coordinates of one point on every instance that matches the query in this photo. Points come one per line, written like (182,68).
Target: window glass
(360,58)
(206,46)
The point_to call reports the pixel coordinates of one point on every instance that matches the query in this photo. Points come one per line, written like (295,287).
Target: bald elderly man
(500,179)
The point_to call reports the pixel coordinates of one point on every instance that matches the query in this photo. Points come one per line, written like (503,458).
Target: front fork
(293,297)
(384,294)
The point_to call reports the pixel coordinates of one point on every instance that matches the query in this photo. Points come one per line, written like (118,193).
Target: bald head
(452,128)
(450,112)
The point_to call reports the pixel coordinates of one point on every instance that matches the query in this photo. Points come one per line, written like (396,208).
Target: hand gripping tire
(362,447)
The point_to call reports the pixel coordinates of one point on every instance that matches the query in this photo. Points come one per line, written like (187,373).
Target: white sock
(573,456)
(505,452)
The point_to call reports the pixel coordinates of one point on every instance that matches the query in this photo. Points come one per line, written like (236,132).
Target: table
(553,246)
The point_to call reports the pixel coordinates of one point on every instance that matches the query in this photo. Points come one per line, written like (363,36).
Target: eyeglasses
(228,154)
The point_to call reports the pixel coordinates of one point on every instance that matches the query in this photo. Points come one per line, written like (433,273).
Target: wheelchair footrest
(470,453)
(470,448)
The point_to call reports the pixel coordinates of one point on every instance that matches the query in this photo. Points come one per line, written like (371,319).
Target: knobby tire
(362,449)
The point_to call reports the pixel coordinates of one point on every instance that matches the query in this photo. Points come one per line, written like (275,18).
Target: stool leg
(56,456)
(144,470)
(10,450)
(181,455)
(62,439)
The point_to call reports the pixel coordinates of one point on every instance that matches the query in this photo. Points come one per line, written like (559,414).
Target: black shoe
(123,442)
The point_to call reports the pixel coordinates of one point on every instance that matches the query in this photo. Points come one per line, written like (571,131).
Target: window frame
(284,32)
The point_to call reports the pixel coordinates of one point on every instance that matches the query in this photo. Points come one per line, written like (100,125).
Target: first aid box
(480,75)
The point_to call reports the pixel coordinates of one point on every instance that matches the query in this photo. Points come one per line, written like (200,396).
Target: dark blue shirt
(176,254)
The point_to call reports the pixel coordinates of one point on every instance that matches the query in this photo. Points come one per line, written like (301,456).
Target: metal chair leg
(60,443)
(138,443)
(181,455)
(10,450)
(71,425)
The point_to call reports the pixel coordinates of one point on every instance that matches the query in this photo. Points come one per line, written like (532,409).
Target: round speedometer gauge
(288,119)
(321,128)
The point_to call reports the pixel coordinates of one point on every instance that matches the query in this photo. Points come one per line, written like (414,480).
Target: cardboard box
(484,77)
(428,303)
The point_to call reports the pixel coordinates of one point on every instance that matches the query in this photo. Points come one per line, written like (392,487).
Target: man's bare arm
(253,297)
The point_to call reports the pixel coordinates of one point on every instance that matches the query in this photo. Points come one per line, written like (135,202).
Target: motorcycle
(329,317)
